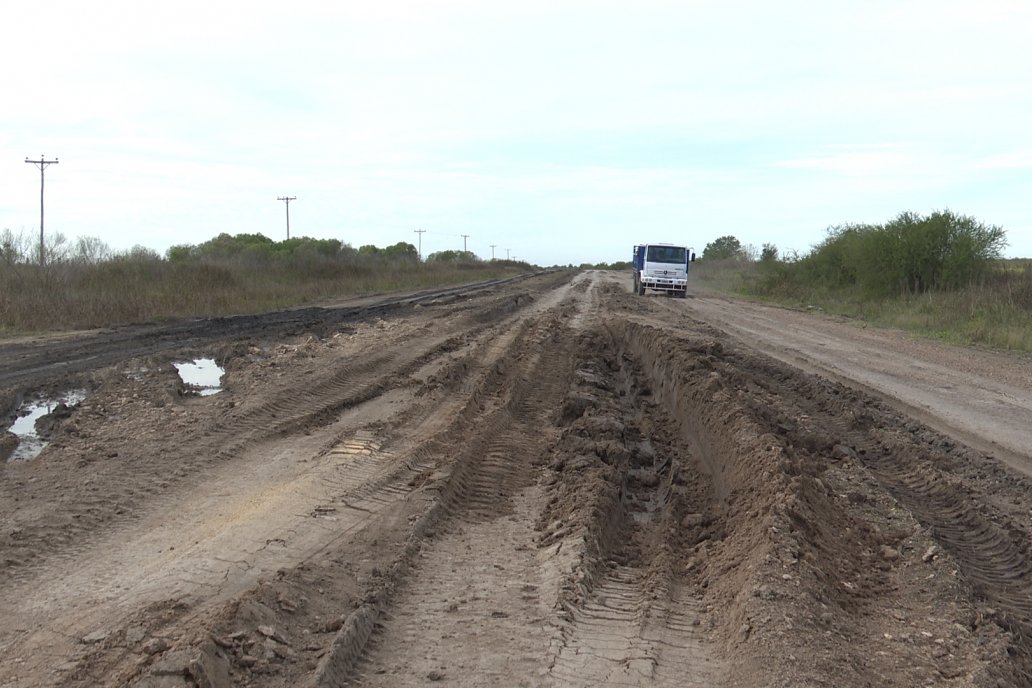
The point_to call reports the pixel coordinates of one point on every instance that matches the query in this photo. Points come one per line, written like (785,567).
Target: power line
(420,249)
(42,164)
(287,200)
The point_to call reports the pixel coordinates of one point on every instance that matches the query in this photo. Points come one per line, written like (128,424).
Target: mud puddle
(202,376)
(31,439)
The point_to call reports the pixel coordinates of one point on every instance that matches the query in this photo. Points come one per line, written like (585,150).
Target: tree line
(21,249)
(910,254)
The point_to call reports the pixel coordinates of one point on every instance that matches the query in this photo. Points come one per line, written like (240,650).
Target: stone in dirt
(270,632)
(206,666)
(691,520)
(94,637)
(156,645)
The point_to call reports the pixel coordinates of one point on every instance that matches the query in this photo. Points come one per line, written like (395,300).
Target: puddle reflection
(30,444)
(203,375)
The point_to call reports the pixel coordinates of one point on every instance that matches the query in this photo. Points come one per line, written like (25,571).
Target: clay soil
(546,481)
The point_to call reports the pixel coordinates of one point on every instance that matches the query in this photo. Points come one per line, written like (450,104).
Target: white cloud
(175,122)
(1012,160)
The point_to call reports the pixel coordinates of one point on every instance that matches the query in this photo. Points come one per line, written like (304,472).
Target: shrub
(910,254)
(722,248)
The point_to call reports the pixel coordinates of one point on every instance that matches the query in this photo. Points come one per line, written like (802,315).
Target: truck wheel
(641,290)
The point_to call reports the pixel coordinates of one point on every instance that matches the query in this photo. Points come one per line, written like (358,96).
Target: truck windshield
(666,254)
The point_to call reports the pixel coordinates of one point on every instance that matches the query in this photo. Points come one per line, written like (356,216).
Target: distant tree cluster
(254,249)
(85,284)
(910,254)
(453,257)
(257,247)
(722,249)
(23,248)
(618,265)
(399,251)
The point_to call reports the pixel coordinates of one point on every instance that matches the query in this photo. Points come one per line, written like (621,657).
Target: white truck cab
(662,267)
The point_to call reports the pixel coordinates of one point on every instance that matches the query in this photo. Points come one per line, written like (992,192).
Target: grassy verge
(995,311)
(133,289)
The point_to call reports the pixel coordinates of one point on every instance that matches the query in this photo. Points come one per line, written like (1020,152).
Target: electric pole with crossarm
(419,251)
(287,199)
(42,164)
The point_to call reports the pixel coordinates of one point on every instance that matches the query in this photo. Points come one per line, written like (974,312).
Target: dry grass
(995,311)
(132,289)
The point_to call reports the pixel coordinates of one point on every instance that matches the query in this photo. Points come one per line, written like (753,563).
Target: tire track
(370,477)
(488,599)
(959,494)
(992,549)
(365,478)
(296,408)
(629,618)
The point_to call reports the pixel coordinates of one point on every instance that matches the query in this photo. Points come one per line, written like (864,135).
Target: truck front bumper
(664,283)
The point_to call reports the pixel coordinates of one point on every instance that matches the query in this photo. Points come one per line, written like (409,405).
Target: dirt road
(541,482)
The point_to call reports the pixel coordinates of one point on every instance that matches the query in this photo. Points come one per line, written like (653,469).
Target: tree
(910,254)
(91,250)
(452,257)
(722,248)
(14,248)
(141,254)
(769,254)
(402,250)
(180,252)
(226,246)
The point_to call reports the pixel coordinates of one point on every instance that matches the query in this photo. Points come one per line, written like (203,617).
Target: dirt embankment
(549,482)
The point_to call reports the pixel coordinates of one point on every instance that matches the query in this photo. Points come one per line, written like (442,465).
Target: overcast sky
(563,131)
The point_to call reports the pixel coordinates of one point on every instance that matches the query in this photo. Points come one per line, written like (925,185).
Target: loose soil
(545,481)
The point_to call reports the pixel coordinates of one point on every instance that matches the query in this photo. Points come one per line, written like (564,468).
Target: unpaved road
(541,482)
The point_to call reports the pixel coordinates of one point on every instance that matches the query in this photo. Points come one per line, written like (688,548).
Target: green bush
(453,257)
(722,248)
(910,254)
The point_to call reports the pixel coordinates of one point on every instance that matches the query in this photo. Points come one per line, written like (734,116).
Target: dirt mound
(818,561)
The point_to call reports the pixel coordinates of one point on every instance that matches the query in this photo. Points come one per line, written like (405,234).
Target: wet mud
(549,482)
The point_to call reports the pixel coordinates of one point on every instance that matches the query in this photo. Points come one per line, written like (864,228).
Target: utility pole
(42,165)
(492,250)
(464,237)
(420,249)
(507,254)
(287,200)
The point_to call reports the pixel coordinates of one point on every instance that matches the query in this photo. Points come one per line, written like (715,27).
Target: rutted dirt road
(542,482)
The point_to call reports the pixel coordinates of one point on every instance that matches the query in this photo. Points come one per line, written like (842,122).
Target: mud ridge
(794,533)
(963,497)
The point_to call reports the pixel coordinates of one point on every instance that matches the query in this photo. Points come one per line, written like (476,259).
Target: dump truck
(662,267)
